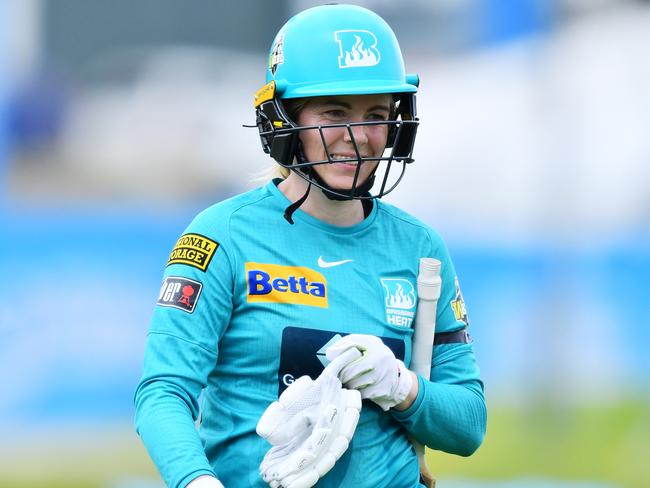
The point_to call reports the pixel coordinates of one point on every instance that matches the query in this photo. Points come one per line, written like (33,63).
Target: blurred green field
(605,444)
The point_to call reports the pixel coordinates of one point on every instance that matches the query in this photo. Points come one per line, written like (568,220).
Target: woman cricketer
(275,284)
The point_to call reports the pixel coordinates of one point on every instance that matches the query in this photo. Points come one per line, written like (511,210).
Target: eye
(377,116)
(335,114)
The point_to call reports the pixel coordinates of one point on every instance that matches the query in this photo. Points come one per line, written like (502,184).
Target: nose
(359,134)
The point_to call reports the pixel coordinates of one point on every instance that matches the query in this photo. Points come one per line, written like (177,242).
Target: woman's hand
(377,374)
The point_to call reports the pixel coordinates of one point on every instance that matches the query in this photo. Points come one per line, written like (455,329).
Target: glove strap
(404,383)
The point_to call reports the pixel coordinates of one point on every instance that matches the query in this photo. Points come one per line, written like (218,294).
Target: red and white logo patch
(181,293)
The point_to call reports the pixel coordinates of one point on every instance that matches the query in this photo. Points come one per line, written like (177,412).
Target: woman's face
(370,140)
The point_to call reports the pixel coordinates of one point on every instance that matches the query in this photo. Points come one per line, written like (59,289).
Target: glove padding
(205,481)
(378,374)
(310,427)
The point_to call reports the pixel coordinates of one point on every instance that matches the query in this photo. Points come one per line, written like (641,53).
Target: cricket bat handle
(429,283)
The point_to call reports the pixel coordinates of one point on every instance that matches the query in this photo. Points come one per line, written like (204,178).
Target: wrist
(412,394)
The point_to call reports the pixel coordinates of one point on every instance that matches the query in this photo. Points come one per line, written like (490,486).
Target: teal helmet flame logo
(358,48)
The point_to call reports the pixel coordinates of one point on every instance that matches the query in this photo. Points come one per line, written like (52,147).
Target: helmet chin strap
(288,212)
(331,193)
(327,191)
(334,194)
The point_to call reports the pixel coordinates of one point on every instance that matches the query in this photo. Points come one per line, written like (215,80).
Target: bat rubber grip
(429,279)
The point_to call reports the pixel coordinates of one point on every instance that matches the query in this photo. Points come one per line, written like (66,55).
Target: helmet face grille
(283,144)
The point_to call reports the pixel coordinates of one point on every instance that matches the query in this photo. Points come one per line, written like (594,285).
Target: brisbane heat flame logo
(357,48)
(400,301)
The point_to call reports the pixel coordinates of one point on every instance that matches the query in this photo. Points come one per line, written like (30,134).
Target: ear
(404,140)
(284,147)
(404,109)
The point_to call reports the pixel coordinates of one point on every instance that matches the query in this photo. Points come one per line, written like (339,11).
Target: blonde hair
(270,173)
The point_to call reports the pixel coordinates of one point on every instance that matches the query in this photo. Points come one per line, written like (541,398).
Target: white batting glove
(205,481)
(378,374)
(297,408)
(302,462)
(320,416)
(293,414)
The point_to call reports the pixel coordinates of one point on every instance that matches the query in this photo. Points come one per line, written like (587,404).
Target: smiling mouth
(345,159)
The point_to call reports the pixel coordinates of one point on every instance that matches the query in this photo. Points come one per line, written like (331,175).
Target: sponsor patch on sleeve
(194,250)
(458,305)
(181,293)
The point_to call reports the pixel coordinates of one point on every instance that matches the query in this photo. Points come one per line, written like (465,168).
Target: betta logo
(400,301)
(181,293)
(296,285)
(357,48)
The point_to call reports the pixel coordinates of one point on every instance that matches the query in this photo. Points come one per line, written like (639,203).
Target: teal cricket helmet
(337,50)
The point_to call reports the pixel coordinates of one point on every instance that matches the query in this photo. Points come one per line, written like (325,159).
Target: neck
(343,213)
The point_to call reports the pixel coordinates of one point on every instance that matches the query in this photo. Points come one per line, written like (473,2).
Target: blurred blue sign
(505,20)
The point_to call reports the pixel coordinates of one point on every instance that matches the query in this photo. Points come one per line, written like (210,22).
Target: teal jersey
(249,303)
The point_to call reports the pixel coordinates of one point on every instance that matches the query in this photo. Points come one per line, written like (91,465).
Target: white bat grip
(425,319)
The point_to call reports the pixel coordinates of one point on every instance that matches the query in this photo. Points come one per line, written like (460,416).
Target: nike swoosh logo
(329,264)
